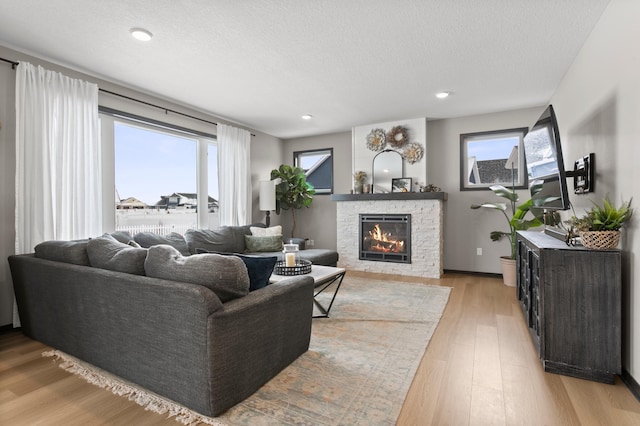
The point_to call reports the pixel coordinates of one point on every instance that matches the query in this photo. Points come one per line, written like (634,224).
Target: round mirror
(387,165)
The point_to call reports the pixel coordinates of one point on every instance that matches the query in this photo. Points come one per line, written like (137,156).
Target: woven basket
(600,239)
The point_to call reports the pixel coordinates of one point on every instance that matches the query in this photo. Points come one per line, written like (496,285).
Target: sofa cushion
(122,236)
(64,251)
(106,252)
(175,240)
(259,268)
(226,276)
(259,244)
(224,239)
(266,232)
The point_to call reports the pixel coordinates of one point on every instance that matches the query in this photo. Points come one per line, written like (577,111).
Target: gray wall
(598,110)
(465,230)
(266,150)
(318,222)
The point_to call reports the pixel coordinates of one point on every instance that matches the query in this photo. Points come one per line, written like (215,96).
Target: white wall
(465,230)
(363,157)
(598,109)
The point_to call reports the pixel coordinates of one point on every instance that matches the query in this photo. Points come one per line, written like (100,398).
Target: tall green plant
(293,192)
(517,221)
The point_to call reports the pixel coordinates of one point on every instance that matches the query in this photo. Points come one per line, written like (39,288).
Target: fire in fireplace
(385,237)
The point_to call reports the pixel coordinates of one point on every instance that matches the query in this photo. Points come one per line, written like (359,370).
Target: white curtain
(58,164)
(234,175)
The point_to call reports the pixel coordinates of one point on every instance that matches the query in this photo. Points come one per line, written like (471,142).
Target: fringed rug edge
(150,401)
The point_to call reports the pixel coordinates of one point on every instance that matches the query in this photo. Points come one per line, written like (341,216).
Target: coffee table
(323,277)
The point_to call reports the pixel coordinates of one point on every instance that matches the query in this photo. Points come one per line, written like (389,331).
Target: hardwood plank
(481,336)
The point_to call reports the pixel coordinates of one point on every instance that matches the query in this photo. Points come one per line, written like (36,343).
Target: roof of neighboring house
(132,202)
(492,171)
(189,195)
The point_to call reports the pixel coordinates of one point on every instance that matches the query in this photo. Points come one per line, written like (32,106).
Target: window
(492,158)
(165,180)
(318,166)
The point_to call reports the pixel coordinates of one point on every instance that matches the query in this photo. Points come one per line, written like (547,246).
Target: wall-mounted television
(543,157)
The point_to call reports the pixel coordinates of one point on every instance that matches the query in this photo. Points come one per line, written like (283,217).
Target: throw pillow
(226,276)
(64,251)
(122,236)
(259,268)
(106,252)
(148,239)
(274,231)
(258,244)
(224,239)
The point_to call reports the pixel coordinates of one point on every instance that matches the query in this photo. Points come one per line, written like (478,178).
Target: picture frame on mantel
(401,184)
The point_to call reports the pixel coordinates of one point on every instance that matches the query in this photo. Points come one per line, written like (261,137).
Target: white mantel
(426,210)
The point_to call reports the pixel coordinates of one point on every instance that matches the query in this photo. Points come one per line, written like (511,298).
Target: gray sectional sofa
(184,327)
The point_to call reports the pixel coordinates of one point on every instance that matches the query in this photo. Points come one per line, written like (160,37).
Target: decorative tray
(301,267)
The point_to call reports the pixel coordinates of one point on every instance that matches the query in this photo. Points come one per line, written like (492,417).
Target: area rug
(359,367)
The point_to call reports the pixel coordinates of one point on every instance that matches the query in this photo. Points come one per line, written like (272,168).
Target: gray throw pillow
(106,252)
(64,251)
(175,240)
(261,244)
(228,239)
(226,276)
(122,236)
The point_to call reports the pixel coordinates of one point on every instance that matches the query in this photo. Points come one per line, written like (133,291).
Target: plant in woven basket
(600,226)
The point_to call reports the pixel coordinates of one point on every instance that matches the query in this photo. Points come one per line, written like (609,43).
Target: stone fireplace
(385,237)
(425,211)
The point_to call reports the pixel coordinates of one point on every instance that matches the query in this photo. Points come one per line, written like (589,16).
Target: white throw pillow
(274,231)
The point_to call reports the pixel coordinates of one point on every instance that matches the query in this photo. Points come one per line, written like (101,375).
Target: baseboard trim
(7,328)
(631,383)
(481,274)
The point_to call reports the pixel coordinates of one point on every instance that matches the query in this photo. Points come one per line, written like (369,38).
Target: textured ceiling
(264,63)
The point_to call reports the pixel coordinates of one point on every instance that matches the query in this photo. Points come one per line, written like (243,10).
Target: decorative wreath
(376,140)
(413,152)
(397,136)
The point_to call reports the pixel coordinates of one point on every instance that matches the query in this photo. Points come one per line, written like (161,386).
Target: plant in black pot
(293,192)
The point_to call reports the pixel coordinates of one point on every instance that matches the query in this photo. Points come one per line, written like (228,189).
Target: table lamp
(267,198)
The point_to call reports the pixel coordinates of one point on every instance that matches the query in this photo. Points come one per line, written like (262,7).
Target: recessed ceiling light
(141,34)
(442,95)
(307,117)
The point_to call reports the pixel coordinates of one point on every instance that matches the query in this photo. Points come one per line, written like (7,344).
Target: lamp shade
(267,195)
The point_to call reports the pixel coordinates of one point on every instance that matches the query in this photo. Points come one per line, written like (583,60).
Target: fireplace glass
(385,237)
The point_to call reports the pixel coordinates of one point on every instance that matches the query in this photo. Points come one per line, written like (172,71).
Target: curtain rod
(166,110)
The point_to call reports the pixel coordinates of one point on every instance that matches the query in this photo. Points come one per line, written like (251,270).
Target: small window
(318,166)
(492,158)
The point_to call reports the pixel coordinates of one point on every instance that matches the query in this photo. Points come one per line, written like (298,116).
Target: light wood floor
(479,369)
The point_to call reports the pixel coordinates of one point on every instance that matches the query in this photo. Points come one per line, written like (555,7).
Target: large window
(164,180)
(318,166)
(491,158)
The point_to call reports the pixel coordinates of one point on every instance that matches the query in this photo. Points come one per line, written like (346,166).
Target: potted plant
(599,227)
(359,178)
(292,192)
(516,222)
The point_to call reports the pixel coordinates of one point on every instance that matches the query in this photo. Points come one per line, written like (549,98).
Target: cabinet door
(534,310)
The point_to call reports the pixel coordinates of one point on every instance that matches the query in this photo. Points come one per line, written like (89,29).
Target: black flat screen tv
(545,167)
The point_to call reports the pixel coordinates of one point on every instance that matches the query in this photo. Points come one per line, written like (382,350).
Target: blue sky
(149,164)
(491,149)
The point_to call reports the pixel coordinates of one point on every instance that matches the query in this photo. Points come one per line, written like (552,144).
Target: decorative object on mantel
(397,136)
(600,227)
(401,184)
(413,152)
(376,140)
(430,188)
(359,178)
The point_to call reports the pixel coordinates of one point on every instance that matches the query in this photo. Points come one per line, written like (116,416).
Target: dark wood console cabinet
(571,300)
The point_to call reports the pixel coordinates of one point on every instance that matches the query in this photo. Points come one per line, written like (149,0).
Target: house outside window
(318,167)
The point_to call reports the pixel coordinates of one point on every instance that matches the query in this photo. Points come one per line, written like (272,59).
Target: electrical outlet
(479,251)
(310,243)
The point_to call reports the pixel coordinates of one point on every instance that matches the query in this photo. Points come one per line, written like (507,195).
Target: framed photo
(401,185)
(492,158)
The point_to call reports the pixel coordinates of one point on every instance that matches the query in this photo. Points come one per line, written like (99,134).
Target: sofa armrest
(254,337)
